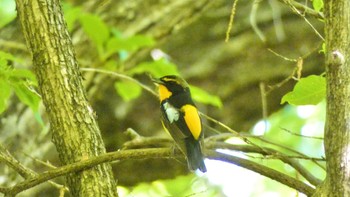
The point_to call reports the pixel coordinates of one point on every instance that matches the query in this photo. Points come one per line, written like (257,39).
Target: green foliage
(127,90)
(308,91)
(133,43)
(71,15)
(27,95)
(95,28)
(17,80)
(317,4)
(23,74)
(189,185)
(110,41)
(7,12)
(4,94)
(156,68)
(5,57)
(202,96)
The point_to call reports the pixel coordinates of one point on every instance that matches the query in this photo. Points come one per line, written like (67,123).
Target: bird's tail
(194,155)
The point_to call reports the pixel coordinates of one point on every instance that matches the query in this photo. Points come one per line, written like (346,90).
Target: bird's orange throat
(164,93)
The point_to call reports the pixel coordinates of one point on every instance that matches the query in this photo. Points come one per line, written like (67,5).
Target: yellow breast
(192,120)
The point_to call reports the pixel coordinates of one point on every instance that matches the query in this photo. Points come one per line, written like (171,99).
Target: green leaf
(39,119)
(5,69)
(117,43)
(156,68)
(13,75)
(5,57)
(95,28)
(71,14)
(308,91)
(17,79)
(7,12)
(3,64)
(8,56)
(178,186)
(4,94)
(139,41)
(20,74)
(202,96)
(317,4)
(127,90)
(27,95)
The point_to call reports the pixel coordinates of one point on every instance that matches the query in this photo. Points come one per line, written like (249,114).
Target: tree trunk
(74,129)
(337,129)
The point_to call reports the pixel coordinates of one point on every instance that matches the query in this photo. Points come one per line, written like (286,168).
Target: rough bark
(337,129)
(74,129)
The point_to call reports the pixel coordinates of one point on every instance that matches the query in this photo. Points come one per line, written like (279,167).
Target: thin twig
(277,20)
(300,135)
(267,152)
(263,104)
(291,150)
(40,161)
(121,76)
(303,8)
(253,23)
(281,83)
(294,6)
(230,24)
(245,139)
(13,163)
(281,56)
(290,157)
(296,71)
(296,74)
(23,171)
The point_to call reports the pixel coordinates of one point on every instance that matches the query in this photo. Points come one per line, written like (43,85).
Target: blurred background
(237,82)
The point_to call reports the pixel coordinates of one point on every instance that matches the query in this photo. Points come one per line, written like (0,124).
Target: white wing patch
(171,112)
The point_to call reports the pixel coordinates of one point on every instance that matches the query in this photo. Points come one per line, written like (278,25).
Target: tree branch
(169,153)
(23,171)
(12,162)
(83,165)
(267,151)
(263,170)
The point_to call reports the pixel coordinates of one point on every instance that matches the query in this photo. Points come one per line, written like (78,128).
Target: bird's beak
(156,81)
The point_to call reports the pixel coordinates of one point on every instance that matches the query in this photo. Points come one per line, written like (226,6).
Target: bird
(181,119)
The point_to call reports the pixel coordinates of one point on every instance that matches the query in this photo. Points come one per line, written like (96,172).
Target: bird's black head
(171,85)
